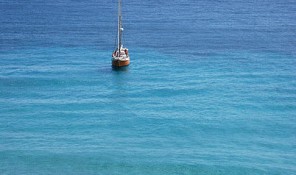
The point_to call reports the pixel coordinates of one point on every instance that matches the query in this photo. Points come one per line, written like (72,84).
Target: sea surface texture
(211,88)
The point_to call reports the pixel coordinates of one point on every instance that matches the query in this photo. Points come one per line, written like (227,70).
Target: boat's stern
(120,59)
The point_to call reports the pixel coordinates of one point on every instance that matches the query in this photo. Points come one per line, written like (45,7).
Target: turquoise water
(217,95)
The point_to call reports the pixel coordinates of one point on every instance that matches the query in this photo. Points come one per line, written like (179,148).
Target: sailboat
(120,56)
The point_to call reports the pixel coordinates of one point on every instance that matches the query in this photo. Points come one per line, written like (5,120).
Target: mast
(119,27)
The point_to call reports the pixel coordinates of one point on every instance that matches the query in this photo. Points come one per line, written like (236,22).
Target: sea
(211,88)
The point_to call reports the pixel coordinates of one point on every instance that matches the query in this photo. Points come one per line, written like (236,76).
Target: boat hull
(120,63)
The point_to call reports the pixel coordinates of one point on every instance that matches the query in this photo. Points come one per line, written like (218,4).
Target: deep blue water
(211,88)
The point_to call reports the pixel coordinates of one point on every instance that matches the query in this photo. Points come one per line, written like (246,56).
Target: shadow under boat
(120,69)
